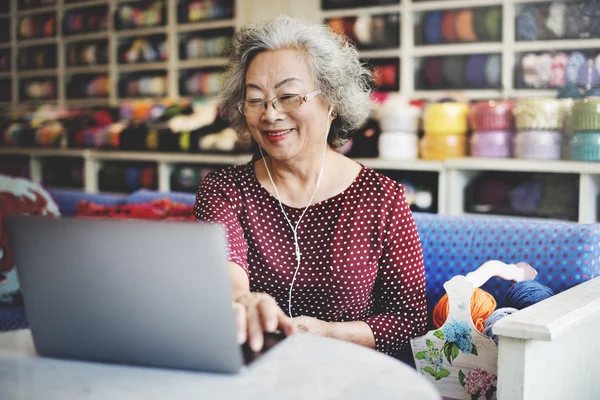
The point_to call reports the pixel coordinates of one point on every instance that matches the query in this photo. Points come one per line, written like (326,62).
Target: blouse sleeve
(215,204)
(399,293)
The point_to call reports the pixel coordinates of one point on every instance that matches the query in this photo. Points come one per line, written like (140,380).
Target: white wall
(259,10)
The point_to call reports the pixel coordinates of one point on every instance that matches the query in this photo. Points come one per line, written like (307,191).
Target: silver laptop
(127,291)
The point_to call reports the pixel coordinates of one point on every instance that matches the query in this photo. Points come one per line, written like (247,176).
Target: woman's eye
(287,98)
(254,103)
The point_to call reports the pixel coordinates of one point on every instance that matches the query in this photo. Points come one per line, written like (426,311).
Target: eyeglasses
(286,103)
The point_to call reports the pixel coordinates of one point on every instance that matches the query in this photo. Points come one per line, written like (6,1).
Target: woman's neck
(299,173)
(295,182)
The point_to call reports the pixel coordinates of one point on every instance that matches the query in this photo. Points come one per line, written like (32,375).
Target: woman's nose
(271,114)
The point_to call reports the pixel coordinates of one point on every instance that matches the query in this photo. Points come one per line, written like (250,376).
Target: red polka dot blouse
(361,253)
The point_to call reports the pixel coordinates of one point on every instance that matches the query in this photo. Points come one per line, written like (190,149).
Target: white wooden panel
(565,368)
(589,188)
(164,176)
(558,315)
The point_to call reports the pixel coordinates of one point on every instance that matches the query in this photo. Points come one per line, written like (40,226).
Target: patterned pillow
(18,196)
(163,209)
(145,195)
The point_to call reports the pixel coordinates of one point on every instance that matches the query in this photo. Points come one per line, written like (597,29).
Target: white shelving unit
(456,174)
(460,171)
(508,47)
(172,66)
(453,174)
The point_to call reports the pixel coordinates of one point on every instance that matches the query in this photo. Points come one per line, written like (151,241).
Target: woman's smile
(277,135)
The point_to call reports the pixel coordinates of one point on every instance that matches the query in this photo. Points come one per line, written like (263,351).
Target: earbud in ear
(330,110)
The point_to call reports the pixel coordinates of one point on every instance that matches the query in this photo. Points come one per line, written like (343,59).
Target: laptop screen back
(127,291)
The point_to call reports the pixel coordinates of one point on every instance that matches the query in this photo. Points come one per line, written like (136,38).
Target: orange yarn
(483,305)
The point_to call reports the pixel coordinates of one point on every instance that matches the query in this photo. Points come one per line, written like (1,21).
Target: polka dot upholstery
(564,253)
(361,256)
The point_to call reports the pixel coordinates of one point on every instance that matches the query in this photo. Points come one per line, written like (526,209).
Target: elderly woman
(317,242)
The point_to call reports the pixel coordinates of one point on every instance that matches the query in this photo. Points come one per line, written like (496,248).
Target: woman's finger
(254,327)
(269,312)
(240,322)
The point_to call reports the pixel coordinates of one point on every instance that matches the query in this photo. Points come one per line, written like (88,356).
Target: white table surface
(300,367)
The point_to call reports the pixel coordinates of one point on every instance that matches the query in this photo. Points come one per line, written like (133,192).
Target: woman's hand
(312,325)
(257,313)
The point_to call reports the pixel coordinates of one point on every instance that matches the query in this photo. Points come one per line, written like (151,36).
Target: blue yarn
(526,293)
(495,317)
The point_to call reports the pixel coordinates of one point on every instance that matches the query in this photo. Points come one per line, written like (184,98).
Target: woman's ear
(332,114)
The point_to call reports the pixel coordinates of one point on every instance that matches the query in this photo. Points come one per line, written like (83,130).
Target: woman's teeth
(279,133)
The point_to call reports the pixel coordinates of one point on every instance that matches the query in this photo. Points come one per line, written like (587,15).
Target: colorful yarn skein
(483,305)
(495,317)
(526,293)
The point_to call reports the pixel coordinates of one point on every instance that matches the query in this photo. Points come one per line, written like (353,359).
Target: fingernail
(241,337)
(255,345)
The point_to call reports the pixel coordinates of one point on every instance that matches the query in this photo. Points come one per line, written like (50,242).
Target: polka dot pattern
(564,253)
(361,253)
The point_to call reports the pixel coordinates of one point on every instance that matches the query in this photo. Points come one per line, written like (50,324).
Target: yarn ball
(526,293)
(483,305)
(495,317)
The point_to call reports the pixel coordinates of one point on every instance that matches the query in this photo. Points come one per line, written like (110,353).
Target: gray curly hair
(334,62)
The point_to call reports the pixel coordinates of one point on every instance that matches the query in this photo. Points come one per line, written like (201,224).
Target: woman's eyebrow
(277,86)
(283,82)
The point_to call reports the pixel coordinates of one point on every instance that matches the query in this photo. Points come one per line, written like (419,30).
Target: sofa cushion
(154,210)
(564,253)
(67,200)
(145,195)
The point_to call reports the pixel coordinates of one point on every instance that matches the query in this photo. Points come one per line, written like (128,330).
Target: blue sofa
(564,253)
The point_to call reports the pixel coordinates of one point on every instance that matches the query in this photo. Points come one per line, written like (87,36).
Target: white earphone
(295,228)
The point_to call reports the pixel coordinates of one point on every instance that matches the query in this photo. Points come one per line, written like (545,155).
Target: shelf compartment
(35,58)
(148,14)
(143,84)
(523,194)
(205,44)
(37,27)
(386,73)
(193,11)
(458,72)
(83,21)
(200,82)
(38,88)
(87,55)
(143,50)
(85,86)
(372,32)
(6,94)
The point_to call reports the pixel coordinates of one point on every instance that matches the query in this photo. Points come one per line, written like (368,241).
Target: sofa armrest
(557,315)
(550,350)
